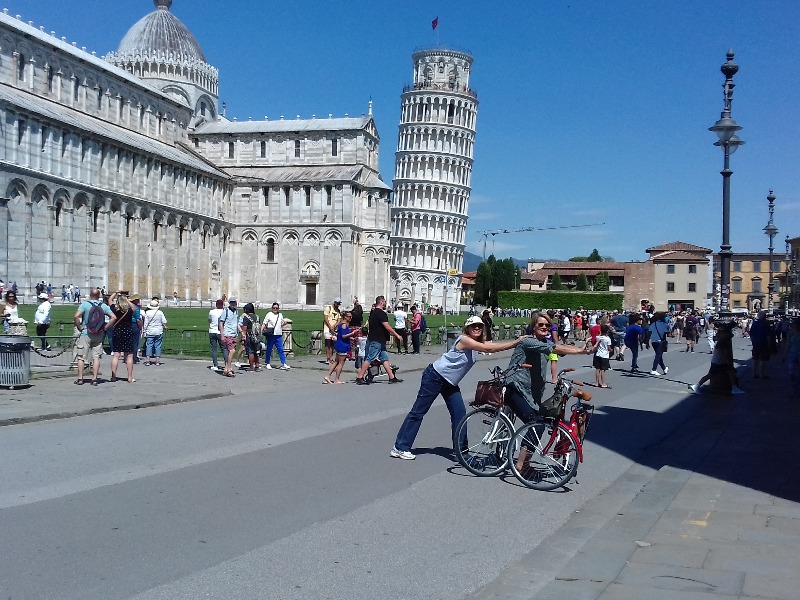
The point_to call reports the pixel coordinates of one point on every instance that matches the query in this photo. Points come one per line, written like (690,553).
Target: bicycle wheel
(484,434)
(543,456)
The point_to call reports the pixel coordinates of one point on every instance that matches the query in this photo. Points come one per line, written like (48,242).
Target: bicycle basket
(551,407)
(488,393)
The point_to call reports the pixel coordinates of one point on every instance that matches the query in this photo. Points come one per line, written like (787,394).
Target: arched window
(21,67)
(271,249)
(59,206)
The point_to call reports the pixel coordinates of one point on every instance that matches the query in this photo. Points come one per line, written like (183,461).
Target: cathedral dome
(160,33)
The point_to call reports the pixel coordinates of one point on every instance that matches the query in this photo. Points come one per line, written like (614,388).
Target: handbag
(551,407)
(664,344)
(269,330)
(488,393)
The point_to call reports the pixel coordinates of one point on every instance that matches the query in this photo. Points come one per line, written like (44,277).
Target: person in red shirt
(577,326)
(594,330)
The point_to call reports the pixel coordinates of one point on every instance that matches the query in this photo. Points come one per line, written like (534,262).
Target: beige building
(680,276)
(750,279)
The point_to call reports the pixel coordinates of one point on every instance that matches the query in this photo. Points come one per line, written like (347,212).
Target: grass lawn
(188,327)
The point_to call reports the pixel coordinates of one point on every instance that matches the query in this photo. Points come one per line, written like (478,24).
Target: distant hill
(471,262)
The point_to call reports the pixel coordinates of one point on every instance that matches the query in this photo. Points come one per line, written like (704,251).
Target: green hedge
(558,300)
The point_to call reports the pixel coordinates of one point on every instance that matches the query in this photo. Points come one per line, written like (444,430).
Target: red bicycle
(545,453)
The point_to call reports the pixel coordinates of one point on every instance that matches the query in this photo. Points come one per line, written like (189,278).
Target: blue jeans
(415,340)
(658,359)
(634,354)
(137,339)
(430,387)
(213,340)
(275,341)
(376,351)
(519,405)
(153,347)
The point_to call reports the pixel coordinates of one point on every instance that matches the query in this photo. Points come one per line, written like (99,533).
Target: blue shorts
(376,351)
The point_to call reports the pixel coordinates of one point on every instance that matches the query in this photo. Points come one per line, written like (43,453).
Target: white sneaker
(666,370)
(737,391)
(284,367)
(654,373)
(238,365)
(269,366)
(402,454)
(694,388)
(215,369)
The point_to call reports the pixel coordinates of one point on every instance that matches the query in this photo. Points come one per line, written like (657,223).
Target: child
(601,356)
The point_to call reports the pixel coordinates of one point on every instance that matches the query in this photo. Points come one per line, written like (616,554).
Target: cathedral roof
(160,33)
(284,126)
(67,117)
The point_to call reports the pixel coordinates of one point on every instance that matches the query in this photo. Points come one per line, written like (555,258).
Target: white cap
(43,296)
(473,321)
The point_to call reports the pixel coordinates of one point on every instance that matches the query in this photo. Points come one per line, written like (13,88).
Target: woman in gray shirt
(442,377)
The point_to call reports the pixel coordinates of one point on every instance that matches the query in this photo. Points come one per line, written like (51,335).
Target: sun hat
(473,321)
(153,304)
(232,299)
(43,296)
(135,298)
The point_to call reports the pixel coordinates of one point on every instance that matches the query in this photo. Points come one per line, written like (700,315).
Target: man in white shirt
(42,319)
(400,317)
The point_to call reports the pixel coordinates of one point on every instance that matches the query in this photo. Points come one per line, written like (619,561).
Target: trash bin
(15,360)
(452,336)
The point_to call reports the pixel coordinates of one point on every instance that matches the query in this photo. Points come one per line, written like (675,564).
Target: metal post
(771,231)
(726,129)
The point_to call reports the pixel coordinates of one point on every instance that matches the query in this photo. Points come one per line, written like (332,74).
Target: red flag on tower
(435,23)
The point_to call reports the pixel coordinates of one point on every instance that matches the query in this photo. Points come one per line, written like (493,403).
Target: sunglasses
(543,325)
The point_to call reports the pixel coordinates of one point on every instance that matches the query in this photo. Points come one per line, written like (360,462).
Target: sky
(589,112)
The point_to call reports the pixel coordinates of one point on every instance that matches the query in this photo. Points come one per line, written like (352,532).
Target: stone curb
(107,409)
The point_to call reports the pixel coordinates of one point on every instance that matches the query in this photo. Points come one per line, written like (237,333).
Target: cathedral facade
(121,171)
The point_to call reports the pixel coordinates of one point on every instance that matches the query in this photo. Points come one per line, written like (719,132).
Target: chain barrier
(45,352)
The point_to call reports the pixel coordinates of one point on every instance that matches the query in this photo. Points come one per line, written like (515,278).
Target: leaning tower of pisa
(433,168)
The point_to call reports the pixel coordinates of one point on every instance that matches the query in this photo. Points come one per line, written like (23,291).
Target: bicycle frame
(579,419)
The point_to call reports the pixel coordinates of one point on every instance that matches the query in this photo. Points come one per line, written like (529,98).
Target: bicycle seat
(582,395)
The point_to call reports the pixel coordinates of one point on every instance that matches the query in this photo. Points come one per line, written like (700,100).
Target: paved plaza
(709,510)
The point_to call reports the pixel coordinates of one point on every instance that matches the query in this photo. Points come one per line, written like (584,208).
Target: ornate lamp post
(771,231)
(726,129)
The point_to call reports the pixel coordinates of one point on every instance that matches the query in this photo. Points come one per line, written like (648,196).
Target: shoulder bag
(488,393)
(267,329)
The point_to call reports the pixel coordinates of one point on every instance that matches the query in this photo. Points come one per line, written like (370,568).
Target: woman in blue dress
(341,347)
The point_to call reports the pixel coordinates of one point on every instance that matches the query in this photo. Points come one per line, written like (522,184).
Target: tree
(602,282)
(483,281)
(555,282)
(594,256)
(492,277)
(579,259)
(583,283)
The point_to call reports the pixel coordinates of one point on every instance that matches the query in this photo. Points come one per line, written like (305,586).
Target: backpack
(423,325)
(96,320)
